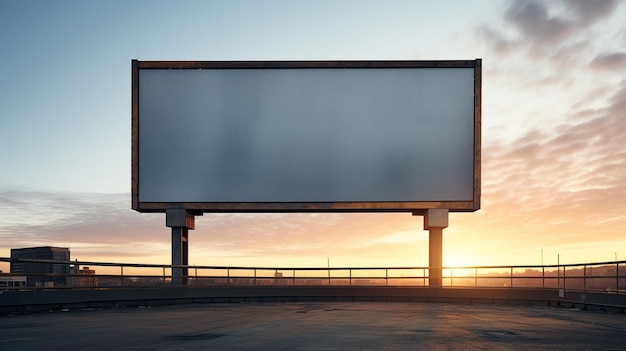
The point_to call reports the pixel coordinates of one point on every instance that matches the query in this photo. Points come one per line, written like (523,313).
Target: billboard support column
(180,221)
(434,221)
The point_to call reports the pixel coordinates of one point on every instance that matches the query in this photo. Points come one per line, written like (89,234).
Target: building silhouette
(12,282)
(41,274)
(83,277)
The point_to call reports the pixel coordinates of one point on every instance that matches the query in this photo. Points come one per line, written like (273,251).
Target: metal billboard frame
(415,207)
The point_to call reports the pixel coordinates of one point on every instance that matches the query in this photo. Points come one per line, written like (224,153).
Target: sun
(456,260)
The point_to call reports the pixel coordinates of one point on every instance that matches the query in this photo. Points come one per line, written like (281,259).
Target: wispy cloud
(87,221)
(551,23)
(609,61)
(103,227)
(546,28)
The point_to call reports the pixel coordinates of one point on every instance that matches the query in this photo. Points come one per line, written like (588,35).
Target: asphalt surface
(317,326)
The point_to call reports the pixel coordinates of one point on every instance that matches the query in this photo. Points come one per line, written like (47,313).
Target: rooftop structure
(58,271)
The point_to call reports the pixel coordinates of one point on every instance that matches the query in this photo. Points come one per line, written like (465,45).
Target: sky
(553,133)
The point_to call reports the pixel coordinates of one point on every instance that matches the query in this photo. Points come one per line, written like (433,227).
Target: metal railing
(607,277)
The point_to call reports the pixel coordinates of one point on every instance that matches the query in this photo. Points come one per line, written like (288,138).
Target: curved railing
(49,274)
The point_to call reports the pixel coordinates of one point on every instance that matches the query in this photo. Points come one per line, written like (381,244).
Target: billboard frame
(369,206)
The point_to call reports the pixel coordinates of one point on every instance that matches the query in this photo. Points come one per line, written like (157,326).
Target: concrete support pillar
(180,255)
(434,221)
(435,257)
(180,221)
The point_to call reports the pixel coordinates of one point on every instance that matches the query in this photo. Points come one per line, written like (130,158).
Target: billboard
(301,136)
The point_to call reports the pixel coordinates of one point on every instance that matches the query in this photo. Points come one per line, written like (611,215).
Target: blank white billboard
(306,136)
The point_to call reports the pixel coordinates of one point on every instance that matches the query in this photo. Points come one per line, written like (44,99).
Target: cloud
(534,22)
(35,218)
(589,12)
(547,29)
(495,40)
(609,61)
(547,23)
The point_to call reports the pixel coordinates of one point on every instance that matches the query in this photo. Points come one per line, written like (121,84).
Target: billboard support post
(180,221)
(434,221)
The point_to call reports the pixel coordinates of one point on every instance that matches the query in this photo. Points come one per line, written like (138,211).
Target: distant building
(12,282)
(278,278)
(41,274)
(83,277)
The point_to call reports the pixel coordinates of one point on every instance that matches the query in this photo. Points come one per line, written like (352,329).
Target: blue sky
(554,129)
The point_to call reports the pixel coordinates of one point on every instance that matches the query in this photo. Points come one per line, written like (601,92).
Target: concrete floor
(317,326)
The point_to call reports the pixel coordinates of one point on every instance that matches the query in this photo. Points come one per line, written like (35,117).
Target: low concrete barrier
(45,300)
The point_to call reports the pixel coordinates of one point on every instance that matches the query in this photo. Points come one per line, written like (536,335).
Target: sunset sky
(553,137)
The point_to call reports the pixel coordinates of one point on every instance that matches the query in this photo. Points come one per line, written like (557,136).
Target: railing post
(386,276)
(122,274)
(294,277)
(511,284)
(543,276)
(585,278)
(164,281)
(476,277)
(350,281)
(617,277)
(558,271)
(255,277)
(227,276)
